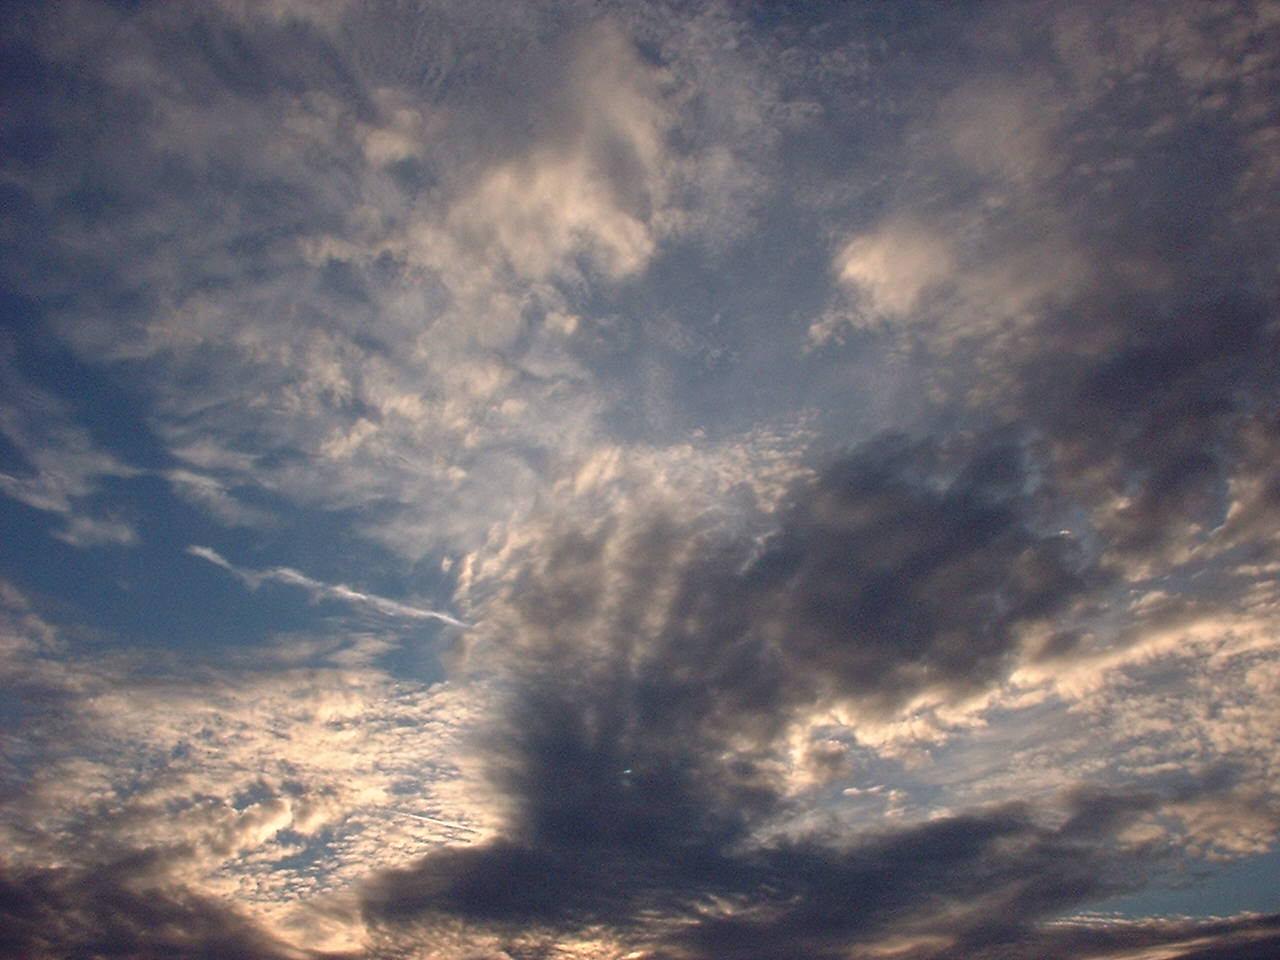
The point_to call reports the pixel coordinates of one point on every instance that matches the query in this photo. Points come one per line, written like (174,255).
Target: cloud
(849,433)
(271,780)
(90,532)
(894,265)
(208,493)
(1072,294)
(119,910)
(593,184)
(397,343)
(1185,939)
(657,679)
(318,590)
(978,885)
(63,467)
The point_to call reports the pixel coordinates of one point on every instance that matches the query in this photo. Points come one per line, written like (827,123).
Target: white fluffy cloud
(894,265)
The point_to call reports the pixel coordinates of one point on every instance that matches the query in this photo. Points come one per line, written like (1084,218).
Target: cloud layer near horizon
(764,480)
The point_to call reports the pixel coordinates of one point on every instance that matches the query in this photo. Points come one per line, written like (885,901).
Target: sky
(504,480)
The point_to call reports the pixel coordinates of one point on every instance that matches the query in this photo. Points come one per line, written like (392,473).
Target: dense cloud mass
(640,480)
(53,913)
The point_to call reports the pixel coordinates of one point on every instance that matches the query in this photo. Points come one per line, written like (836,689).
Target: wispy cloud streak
(319,590)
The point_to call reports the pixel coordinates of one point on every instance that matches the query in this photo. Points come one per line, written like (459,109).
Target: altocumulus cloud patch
(623,480)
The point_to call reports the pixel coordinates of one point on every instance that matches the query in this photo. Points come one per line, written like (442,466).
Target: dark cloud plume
(639,764)
(910,567)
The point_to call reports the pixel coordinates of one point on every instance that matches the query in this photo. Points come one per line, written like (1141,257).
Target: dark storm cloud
(912,565)
(121,909)
(1150,398)
(907,568)
(981,882)
(638,766)
(1145,372)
